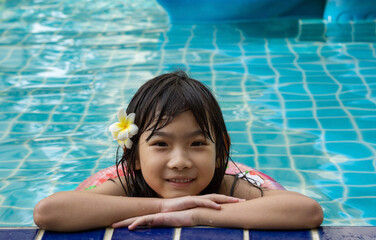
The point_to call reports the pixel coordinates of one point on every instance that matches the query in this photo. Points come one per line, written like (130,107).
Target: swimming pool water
(298,97)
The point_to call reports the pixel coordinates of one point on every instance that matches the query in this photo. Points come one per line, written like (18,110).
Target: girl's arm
(104,205)
(277,209)
(80,210)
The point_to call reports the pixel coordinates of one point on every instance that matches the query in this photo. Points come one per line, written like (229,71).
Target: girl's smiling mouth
(180,181)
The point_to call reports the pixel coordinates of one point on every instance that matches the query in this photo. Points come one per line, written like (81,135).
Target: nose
(179,160)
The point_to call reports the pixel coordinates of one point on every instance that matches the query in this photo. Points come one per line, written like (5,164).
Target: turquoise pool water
(299,97)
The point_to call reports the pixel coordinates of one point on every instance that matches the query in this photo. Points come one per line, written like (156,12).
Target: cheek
(151,169)
(208,167)
(152,179)
(148,174)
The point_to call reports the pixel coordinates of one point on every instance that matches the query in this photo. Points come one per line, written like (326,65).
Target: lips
(180,180)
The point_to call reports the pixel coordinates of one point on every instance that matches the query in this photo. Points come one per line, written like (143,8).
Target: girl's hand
(208,201)
(177,212)
(172,219)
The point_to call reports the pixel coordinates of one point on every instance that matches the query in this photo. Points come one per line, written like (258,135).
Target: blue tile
(92,235)
(352,150)
(347,233)
(279,235)
(143,233)
(211,233)
(16,234)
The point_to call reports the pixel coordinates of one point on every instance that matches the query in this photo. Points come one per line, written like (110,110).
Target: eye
(198,143)
(160,144)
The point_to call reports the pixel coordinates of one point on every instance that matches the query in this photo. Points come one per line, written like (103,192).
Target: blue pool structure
(298,97)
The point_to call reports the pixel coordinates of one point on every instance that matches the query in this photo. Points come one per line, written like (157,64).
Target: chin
(177,195)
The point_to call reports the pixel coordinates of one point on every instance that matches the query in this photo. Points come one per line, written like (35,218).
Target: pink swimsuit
(256,177)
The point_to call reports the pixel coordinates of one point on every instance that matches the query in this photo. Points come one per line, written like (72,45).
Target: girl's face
(177,160)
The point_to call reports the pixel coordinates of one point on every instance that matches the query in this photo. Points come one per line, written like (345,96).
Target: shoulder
(241,188)
(111,187)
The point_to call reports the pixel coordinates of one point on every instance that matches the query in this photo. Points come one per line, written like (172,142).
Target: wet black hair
(156,104)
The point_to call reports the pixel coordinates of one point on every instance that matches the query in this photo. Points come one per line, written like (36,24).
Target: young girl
(174,160)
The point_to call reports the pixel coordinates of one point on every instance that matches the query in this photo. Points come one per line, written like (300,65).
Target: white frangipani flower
(123,130)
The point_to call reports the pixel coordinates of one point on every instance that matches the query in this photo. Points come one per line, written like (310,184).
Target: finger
(192,202)
(208,203)
(220,198)
(142,221)
(123,223)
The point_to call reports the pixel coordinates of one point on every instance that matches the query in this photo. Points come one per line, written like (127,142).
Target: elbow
(45,214)
(314,215)
(40,215)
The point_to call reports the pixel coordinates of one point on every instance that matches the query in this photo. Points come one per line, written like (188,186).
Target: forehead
(185,123)
(186,117)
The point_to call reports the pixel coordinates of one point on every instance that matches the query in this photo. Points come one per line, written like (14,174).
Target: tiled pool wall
(298,97)
(323,233)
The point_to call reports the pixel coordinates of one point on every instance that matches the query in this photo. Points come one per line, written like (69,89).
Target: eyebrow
(198,132)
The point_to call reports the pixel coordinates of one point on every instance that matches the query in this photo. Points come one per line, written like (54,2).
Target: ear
(138,165)
(217,164)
